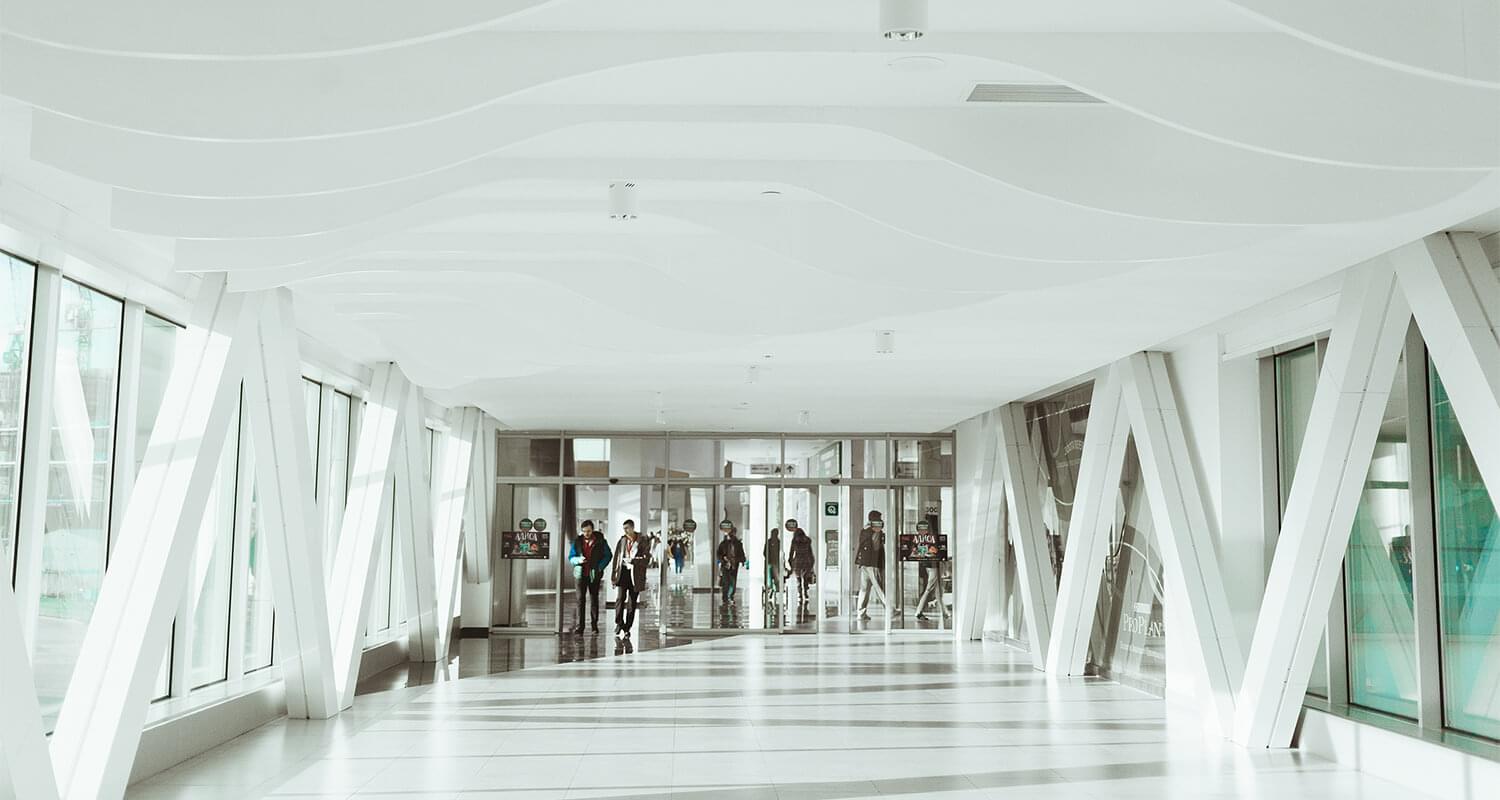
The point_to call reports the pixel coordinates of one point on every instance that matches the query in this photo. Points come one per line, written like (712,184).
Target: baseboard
(171,741)
(1433,768)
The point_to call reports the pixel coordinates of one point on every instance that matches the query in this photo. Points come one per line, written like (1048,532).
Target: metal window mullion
(36,449)
(1423,536)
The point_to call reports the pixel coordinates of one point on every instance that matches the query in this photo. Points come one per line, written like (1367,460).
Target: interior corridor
(758,717)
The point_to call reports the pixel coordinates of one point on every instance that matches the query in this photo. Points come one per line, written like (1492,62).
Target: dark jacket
(637,556)
(731,552)
(599,554)
(871,552)
(801,555)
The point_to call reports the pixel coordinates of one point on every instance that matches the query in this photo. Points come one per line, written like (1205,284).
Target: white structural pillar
(1182,527)
(1021,469)
(479,504)
(1363,352)
(1104,445)
(23,742)
(456,454)
(288,511)
(99,727)
(983,534)
(368,512)
(414,507)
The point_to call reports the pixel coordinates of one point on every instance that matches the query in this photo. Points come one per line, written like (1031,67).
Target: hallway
(754,717)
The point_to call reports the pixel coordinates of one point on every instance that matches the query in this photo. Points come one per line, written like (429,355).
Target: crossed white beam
(250,337)
(1447,284)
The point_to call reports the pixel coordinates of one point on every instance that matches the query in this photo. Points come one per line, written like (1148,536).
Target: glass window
(929,459)
(1129,639)
(16,297)
(213,564)
(312,406)
(1056,426)
(158,350)
(379,618)
(1296,382)
(1381,622)
(812,458)
(75,538)
(259,610)
(616,458)
(1468,577)
(696,458)
(521,457)
(338,475)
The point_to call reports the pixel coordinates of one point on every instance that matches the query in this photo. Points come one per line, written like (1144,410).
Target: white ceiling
(430,180)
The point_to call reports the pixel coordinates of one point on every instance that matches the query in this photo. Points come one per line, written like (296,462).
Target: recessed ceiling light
(661,417)
(623,201)
(917,64)
(770,193)
(903,20)
(804,418)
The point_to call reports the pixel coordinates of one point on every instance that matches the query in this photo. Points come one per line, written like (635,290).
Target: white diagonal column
(1182,528)
(294,547)
(414,508)
(99,727)
(23,742)
(1021,468)
(983,533)
(1104,444)
(36,448)
(368,512)
(451,474)
(1455,296)
(479,505)
(1363,352)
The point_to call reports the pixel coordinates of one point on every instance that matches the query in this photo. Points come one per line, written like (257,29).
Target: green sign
(924,526)
(539,524)
(690,526)
(526,524)
(831,509)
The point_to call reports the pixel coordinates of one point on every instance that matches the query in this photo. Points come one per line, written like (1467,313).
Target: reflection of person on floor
(731,554)
(632,557)
(589,554)
(870,558)
(800,560)
(930,577)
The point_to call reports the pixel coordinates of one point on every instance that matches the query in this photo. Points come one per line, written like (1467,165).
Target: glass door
(608,507)
(800,534)
(745,582)
(923,592)
(689,519)
(872,556)
(532,572)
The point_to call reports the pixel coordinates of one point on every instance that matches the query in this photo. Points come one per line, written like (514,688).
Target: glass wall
(1296,375)
(1129,639)
(1056,426)
(213,565)
(338,475)
(16,296)
(1468,548)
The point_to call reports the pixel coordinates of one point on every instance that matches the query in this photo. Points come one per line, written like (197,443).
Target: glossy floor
(748,717)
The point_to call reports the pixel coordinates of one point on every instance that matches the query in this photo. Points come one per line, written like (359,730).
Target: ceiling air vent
(1028,93)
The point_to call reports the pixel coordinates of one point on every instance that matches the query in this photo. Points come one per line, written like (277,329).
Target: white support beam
(132,329)
(23,742)
(366,517)
(36,448)
(1104,444)
(1363,352)
(451,476)
(414,533)
(479,505)
(1021,468)
(983,534)
(274,402)
(99,727)
(1183,532)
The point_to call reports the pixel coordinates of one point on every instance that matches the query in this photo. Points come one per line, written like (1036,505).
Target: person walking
(870,558)
(800,561)
(589,554)
(679,552)
(731,554)
(631,558)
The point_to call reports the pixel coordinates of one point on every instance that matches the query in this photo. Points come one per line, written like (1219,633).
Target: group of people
(801,562)
(591,557)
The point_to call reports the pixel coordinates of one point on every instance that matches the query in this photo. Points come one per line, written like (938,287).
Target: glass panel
(70,564)
(1377,576)
(836,571)
(399,533)
(379,618)
(609,508)
(158,349)
(924,575)
(1056,426)
(869,458)
(258,606)
(869,555)
(338,476)
(616,458)
(213,564)
(744,592)
(798,521)
(519,457)
(312,406)
(752,458)
(1129,639)
(536,580)
(1468,577)
(1013,602)
(814,458)
(16,296)
(687,516)
(697,458)
(1296,382)
(930,459)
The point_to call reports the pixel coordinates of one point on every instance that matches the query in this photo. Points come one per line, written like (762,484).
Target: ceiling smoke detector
(903,20)
(885,342)
(624,202)
(661,417)
(804,418)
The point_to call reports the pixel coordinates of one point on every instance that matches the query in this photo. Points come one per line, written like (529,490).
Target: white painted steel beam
(1104,444)
(274,401)
(983,533)
(366,516)
(451,475)
(1183,531)
(1363,352)
(99,727)
(479,505)
(23,742)
(1020,465)
(414,537)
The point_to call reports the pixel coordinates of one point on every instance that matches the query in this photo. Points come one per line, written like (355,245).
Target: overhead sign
(923,546)
(525,544)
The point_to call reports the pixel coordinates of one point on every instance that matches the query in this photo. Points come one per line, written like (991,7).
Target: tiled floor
(749,717)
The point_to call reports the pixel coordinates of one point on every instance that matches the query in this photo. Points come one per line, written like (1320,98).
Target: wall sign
(924,546)
(525,544)
(831,509)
